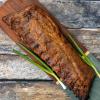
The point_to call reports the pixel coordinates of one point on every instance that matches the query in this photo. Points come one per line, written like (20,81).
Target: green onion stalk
(42,65)
(83,55)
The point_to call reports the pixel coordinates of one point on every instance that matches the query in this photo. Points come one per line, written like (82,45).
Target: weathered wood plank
(90,38)
(14,67)
(31,91)
(40,90)
(6,44)
(75,13)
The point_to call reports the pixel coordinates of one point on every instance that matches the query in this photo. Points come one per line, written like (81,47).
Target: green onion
(84,57)
(43,66)
(35,56)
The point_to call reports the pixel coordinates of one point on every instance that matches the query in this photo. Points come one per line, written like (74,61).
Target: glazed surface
(38,31)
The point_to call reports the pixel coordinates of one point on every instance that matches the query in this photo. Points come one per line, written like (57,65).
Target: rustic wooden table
(19,80)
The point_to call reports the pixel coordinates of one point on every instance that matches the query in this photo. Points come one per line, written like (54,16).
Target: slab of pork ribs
(38,31)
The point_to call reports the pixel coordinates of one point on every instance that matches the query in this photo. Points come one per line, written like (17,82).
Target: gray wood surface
(31,91)
(14,67)
(75,13)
